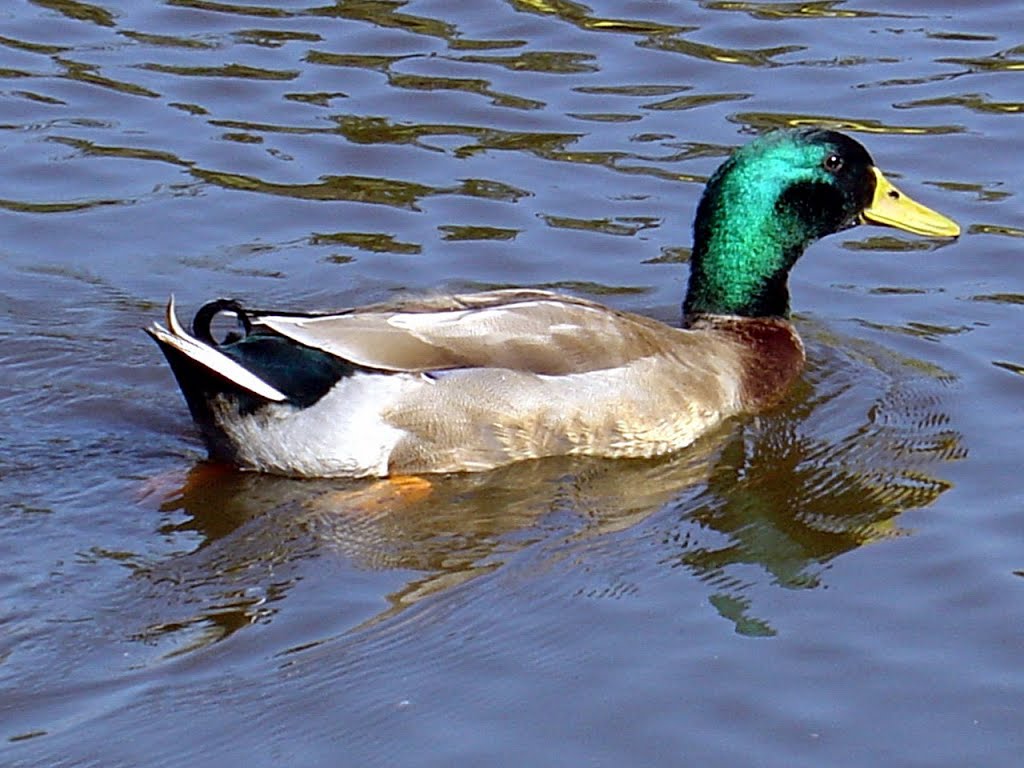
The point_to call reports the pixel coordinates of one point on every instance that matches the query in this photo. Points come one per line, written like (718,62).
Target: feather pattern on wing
(536,331)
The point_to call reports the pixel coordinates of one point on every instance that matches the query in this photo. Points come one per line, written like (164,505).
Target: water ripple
(326,154)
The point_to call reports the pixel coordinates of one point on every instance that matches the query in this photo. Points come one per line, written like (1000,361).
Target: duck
(472,381)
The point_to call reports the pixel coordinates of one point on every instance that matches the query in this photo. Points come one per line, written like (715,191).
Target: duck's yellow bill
(892,208)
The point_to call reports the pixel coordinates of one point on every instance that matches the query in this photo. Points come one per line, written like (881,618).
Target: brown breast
(773,356)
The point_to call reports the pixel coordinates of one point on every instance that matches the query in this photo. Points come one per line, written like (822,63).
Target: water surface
(835,583)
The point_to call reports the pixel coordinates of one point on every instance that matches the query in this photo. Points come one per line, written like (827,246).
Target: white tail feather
(211,358)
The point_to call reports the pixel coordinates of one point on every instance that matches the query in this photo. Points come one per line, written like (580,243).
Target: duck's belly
(478,419)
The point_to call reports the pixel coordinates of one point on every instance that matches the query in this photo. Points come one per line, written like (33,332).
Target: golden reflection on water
(766,121)
(579,14)
(973,101)
(828,9)
(759,57)
(1003,61)
(995,229)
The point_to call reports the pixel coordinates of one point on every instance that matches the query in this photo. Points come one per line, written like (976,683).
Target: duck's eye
(832,163)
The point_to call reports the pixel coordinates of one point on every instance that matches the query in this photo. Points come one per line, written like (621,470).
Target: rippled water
(836,583)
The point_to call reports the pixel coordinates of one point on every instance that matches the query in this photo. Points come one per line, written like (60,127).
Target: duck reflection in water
(785,493)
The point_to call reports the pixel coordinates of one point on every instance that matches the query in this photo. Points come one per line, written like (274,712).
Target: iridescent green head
(773,198)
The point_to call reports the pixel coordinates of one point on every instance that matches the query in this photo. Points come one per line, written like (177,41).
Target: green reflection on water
(984,192)
(758,57)
(671,255)
(237,9)
(385,13)
(1008,366)
(891,243)
(464,85)
(268,127)
(924,331)
(320,99)
(896,290)
(632,90)
(88,73)
(463,44)
(169,41)
(242,138)
(21,45)
(192,109)
(360,61)
(470,232)
(490,190)
(418,82)
(274,38)
(79,11)
(361,129)
(695,101)
(403,194)
(552,62)
(541,144)
(1000,298)
(622,225)
(130,153)
(374,242)
(362,189)
(605,117)
(735,610)
(41,98)
(239,71)
(582,287)
(21,206)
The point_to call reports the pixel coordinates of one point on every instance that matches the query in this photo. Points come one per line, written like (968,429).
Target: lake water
(836,583)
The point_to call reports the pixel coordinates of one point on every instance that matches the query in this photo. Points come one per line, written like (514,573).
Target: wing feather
(534,331)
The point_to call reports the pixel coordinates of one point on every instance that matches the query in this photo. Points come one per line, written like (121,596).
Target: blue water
(836,583)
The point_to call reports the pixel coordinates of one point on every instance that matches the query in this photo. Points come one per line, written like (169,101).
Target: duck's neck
(751,227)
(723,284)
(741,260)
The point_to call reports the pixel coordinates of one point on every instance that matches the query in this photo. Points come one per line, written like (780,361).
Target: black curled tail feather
(201,323)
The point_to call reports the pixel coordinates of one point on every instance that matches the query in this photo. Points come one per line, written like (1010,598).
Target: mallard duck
(471,382)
